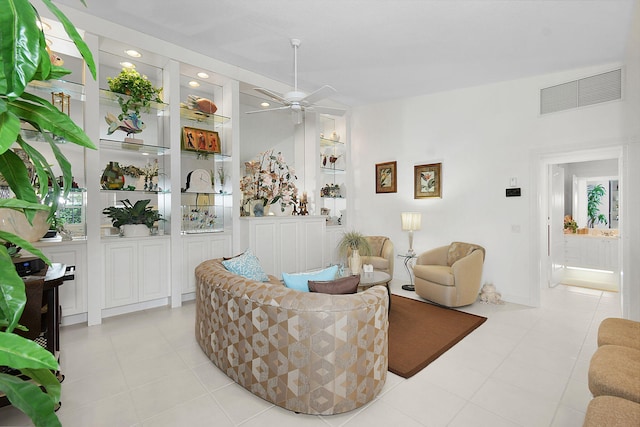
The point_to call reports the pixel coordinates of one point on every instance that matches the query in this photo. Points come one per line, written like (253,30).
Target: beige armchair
(381,254)
(450,275)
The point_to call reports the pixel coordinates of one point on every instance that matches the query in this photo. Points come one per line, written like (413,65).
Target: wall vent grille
(579,93)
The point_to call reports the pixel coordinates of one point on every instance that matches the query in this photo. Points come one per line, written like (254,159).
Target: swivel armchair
(381,254)
(450,275)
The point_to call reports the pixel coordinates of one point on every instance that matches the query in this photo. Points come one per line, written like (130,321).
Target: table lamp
(411,222)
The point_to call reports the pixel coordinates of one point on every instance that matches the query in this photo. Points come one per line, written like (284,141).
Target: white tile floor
(523,367)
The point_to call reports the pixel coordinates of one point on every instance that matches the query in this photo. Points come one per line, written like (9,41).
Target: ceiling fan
(298,101)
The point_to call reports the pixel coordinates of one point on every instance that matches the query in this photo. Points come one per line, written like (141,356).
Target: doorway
(551,241)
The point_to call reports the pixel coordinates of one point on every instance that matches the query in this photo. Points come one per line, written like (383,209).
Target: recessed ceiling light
(133,53)
(194,83)
(265,104)
(203,75)
(127,64)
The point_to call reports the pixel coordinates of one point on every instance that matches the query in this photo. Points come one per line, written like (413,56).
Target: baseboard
(131,308)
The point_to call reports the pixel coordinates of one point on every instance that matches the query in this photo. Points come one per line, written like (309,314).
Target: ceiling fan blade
(327,110)
(286,107)
(320,94)
(271,94)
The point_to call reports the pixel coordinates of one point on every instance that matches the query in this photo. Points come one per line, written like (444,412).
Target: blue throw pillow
(300,281)
(246,265)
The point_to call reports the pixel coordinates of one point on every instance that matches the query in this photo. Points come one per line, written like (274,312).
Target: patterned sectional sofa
(307,352)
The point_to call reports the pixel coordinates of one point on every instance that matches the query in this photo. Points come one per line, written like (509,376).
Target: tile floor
(523,367)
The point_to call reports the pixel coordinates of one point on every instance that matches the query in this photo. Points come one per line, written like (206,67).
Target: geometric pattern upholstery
(311,353)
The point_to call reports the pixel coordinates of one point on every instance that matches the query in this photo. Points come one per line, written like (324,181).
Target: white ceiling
(376,50)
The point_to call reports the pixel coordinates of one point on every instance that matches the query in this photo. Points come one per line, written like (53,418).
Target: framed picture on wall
(427,181)
(386,181)
(200,140)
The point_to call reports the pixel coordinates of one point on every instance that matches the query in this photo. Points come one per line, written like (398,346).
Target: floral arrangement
(569,224)
(269,179)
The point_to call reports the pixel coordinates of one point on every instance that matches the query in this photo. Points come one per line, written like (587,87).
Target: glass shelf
(44,89)
(102,190)
(325,142)
(198,116)
(132,146)
(107,95)
(332,170)
(206,155)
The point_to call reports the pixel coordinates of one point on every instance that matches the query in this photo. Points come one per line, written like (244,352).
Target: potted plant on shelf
(23,59)
(136,219)
(594,196)
(353,245)
(138,93)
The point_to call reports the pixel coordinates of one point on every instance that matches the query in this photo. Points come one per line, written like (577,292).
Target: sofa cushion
(246,265)
(459,250)
(299,281)
(343,285)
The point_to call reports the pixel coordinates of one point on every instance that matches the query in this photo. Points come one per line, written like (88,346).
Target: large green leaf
(73,34)
(9,127)
(16,174)
(27,246)
(31,400)
(43,169)
(12,295)
(22,353)
(43,115)
(19,46)
(47,379)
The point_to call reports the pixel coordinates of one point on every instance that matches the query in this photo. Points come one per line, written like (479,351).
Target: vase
(355,262)
(278,210)
(135,230)
(112,177)
(14,222)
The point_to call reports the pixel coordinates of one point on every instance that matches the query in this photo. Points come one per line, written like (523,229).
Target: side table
(407,258)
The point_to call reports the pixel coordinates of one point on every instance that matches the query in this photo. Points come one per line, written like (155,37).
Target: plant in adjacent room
(594,200)
(24,58)
(139,90)
(569,224)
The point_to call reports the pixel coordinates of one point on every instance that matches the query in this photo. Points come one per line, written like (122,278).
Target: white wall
(483,136)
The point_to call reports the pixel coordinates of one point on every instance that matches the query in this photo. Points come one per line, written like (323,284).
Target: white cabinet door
(194,251)
(154,272)
(73,293)
(121,273)
(286,244)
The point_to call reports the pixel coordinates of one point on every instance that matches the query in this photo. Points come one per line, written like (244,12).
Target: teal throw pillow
(300,281)
(246,265)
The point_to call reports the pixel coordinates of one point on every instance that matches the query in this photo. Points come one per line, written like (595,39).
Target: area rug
(420,332)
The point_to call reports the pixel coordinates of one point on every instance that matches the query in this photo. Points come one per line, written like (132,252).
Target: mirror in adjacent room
(580,177)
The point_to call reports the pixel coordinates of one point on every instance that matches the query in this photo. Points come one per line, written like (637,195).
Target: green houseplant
(594,200)
(139,90)
(133,214)
(24,58)
(353,244)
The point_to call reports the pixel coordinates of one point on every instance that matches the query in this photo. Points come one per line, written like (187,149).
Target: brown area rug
(420,332)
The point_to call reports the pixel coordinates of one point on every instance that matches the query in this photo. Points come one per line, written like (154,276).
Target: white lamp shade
(411,221)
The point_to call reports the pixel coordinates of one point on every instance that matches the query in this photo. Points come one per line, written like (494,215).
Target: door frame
(540,208)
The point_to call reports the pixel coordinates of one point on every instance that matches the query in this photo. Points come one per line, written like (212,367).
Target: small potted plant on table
(136,219)
(352,245)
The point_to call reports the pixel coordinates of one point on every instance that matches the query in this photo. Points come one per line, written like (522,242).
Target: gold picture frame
(386,177)
(201,140)
(427,181)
